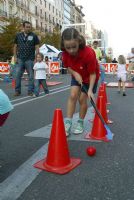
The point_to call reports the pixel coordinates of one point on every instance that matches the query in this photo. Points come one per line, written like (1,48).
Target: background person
(114,60)
(81,63)
(99,57)
(40,70)
(121,73)
(26,44)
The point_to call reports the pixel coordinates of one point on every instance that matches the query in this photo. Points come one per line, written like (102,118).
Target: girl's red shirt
(85,63)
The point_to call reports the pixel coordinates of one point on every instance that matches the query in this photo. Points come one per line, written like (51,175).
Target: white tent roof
(46,48)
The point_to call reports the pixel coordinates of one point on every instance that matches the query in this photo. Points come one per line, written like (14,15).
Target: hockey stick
(109,133)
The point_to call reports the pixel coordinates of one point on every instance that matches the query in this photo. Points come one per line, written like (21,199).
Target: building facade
(44,15)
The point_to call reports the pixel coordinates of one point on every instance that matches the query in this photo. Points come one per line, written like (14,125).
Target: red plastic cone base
(109,121)
(91,137)
(58,157)
(98,131)
(74,162)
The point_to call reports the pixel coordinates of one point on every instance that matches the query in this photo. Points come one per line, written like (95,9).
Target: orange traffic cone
(58,159)
(105,94)
(13,83)
(104,110)
(98,131)
(101,92)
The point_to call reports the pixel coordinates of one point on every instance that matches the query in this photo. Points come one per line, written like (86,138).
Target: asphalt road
(106,176)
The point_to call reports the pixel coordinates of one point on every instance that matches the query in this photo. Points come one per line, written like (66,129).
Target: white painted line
(15,185)
(18,99)
(40,97)
(45,131)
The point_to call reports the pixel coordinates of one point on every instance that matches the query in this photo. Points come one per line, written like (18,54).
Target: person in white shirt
(40,71)
(121,73)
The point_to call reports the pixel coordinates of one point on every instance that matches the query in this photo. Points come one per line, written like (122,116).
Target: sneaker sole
(77,133)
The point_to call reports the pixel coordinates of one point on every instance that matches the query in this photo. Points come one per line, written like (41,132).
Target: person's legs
(19,72)
(29,68)
(83,105)
(123,78)
(36,87)
(71,104)
(119,86)
(119,82)
(44,85)
(83,109)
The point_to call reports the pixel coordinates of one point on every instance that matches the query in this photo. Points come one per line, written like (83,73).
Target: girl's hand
(90,94)
(78,77)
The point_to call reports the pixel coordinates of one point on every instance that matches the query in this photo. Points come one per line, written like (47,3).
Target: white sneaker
(79,127)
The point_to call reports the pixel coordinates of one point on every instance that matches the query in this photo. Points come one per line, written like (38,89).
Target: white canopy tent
(50,51)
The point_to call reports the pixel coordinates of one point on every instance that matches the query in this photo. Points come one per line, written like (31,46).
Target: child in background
(121,73)
(40,70)
(5,107)
(81,62)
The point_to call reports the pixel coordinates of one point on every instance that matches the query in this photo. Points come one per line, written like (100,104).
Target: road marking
(18,99)
(16,184)
(45,131)
(40,97)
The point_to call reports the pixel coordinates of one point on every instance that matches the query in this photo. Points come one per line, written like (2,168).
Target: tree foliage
(8,32)
(52,38)
(7,36)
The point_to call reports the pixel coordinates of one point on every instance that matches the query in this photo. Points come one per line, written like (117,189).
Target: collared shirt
(26,45)
(85,63)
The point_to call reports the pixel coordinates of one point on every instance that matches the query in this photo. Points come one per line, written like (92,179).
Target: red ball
(91,151)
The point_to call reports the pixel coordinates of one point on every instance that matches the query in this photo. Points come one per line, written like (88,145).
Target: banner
(110,67)
(54,67)
(4,68)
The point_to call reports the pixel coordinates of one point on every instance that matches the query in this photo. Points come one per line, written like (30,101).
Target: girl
(40,69)
(5,107)
(82,65)
(121,73)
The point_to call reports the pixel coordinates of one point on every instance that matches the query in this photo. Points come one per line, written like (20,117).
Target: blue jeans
(21,66)
(102,75)
(37,83)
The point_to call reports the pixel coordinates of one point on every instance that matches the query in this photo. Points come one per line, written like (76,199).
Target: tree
(52,38)
(7,36)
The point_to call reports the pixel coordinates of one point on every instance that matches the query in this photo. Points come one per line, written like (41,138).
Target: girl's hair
(72,34)
(41,55)
(121,59)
